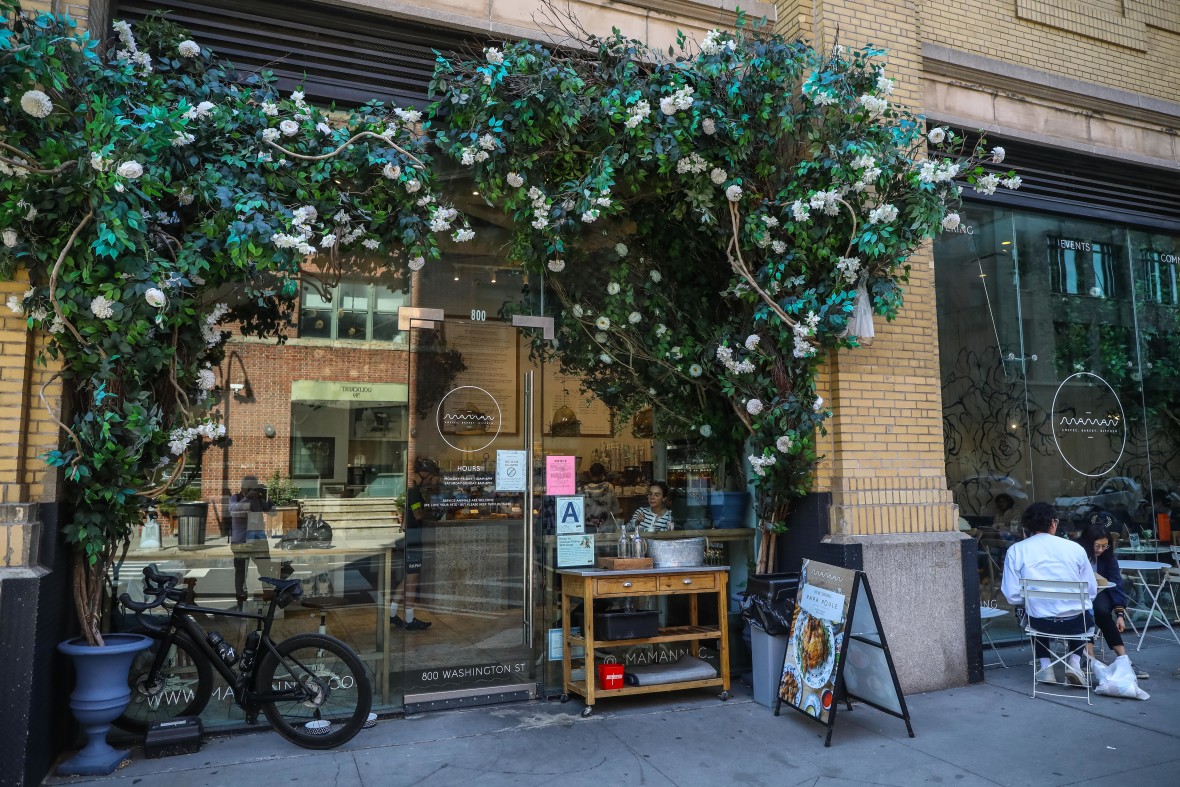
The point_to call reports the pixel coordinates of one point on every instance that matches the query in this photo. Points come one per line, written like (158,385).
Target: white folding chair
(1077,596)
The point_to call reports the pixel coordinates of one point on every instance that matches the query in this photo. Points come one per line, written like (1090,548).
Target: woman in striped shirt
(655,515)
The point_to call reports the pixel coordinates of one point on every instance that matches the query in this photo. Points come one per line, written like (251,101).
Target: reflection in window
(1161,277)
(352,310)
(1082,268)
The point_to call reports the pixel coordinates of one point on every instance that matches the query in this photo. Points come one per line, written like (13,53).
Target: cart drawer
(689,582)
(624,586)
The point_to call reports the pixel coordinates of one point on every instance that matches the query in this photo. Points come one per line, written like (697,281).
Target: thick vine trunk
(89,582)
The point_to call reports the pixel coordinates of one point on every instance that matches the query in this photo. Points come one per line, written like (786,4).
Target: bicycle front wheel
(340,692)
(182,687)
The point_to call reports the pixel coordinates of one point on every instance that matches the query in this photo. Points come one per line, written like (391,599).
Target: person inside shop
(1007,519)
(602,504)
(1045,556)
(655,516)
(405,596)
(247,537)
(1110,605)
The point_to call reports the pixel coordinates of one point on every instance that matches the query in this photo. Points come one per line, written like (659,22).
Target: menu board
(836,649)
(491,353)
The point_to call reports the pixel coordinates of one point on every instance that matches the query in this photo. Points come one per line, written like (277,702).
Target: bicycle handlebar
(165,588)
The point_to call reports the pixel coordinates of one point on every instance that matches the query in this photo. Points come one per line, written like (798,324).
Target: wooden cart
(590,584)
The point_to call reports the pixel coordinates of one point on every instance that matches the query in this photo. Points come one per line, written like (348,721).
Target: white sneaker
(1046,675)
(1074,676)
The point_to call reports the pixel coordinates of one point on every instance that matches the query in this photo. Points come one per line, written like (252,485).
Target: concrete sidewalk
(988,734)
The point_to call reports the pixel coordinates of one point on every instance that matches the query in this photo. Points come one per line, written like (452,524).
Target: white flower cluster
(441,218)
(130,50)
(870,171)
(463,235)
(16,172)
(185,196)
(155,297)
(998,155)
(706,430)
(590,216)
(10,238)
(408,115)
(818,404)
(799,211)
(289,128)
(936,136)
(803,330)
(882,214)
(823,98)
(515,180)
(876,106)
(130,170)
(693,163)
(416,263)
(36,103)
(884,84)
(179,439)
(209,331)
(679,100)
(637,113)
(783,444)
(493,55)
(188,48)
(937,172)
(714,44)
(391,171)
(734,193)
(206,380)
(760,463)
(102,307)
(725,355)
(849,267)
(540,208)
(950,221)
(201,111)
(301,220)
(827,201)
(14,305)
(709,126)
(557,265)
(988,183)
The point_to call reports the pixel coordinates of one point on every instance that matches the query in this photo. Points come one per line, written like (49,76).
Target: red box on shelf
(610,676)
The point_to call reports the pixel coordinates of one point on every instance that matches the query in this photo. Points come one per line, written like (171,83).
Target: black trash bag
(313,533)
(769,601)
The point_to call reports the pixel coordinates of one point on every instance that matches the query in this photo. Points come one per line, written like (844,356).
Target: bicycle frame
(245,696)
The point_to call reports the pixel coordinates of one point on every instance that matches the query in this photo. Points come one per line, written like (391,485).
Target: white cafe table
(1142,568)
(1132,553)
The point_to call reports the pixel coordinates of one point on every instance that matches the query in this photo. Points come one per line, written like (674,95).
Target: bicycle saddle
(280,584)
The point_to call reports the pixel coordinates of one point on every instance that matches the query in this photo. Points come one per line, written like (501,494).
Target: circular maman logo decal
(469,410)
(1089,426)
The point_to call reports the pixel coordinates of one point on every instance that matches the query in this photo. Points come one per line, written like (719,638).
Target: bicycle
(299,683)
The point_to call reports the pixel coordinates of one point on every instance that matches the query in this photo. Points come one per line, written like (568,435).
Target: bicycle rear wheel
(182,688)
(341,692)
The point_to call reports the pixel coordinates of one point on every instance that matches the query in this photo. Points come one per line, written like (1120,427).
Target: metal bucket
(678,552)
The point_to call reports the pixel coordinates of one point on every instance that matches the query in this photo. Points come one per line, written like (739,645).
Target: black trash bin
(768,603)
(190,524)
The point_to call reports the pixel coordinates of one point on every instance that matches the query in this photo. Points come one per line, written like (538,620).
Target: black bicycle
(313,689)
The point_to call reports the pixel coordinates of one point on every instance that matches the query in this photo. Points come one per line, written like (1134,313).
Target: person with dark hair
(655,516)
(416,513)
(601,501)
(247,535)
(1043,555)
(1110,605)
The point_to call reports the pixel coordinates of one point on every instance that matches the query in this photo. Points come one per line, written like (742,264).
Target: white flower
(751,341)
(14,305)
(882,215)
(718,176)
(119,187)
(206,381)
(823,98)
(675,352)
(590,216)
(656,276)
(621,249)
(1012,182)
(467,157)
(328,241)
(778,246)
(372,244)
(270,134)
(799,211)
(634,318)
(987,184)
(463,235)
(848,267)
(695,370)
(818,404)
(10,238)
(637,114)
(783,444)
(950,221)
(97,162)
(204,109)
(681,99)
(602,323)
(709,126)
(408,115)
(488,142)
(733,193)
(391,171)
(605,358)
(101,307)
(936,136)
(36,103)
(612,288)
(515,180)
(289,128)
(188,48)
(754,406)
(885,85)
(661,329)
(155,297)
(998,155)
(557,266)
(130,169)
(416,263)
(270,108)
(494,55)
(324,129)
(873,104)
(706,430)
(412,186)
(182,139)
(578,311)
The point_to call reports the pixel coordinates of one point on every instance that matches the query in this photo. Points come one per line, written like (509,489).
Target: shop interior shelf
(670,634)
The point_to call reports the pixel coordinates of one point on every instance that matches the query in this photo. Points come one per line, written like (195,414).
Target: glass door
(461,605)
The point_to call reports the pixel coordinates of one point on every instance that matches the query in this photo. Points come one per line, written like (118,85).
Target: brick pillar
(885,466)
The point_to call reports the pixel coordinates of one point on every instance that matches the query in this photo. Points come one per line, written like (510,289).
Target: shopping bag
(860,324)
(1117,679)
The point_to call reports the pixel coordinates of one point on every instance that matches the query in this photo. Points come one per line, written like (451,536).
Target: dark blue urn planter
(100,696)
(728,509)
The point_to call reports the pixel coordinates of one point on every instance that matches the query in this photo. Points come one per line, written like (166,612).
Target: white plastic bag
(1117,679)
(860,324)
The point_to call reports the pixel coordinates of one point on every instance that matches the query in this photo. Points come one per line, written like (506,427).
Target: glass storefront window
(350,311)
(1056,339)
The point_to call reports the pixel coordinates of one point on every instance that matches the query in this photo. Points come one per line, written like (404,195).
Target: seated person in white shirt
(1043,555)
